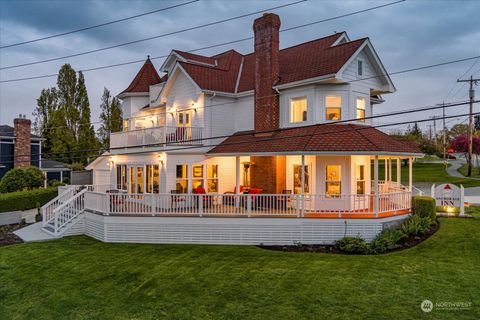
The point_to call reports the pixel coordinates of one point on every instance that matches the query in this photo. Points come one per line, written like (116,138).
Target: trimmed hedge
(424,207)
(24,200)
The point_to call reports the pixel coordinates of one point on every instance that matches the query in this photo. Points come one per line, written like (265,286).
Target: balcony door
(184,124)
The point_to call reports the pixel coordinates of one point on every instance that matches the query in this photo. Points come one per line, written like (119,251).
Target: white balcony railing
(157,136)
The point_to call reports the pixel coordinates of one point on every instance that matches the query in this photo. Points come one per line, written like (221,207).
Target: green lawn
(80,278)
(428,172)
(475,171)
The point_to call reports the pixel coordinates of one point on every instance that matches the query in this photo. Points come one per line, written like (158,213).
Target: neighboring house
(20,148)
(256,135)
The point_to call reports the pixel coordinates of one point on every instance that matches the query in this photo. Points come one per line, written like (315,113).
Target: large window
(333,108)
(122,177)
(212,178)
(153,177)
(297,180)
(197,174)
(298,109)
(125,125)
(333,184)
(182,178)
(361,109)
(360,179)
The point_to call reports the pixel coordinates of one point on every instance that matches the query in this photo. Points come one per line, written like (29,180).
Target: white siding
(351,73)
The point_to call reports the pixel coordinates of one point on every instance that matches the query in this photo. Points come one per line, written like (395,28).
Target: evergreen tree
(111,117)
(47,104)
(62,117)
(86,139)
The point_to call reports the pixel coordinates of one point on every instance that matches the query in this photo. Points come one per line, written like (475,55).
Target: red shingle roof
(316,138)
(304,61)
(146,77)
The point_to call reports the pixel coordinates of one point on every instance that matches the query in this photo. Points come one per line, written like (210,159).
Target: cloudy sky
(406,35)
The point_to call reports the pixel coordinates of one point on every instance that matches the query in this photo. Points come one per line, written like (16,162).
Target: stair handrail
(59,210)
(47,209)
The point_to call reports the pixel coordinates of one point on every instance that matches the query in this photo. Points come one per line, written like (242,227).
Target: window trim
(360,68)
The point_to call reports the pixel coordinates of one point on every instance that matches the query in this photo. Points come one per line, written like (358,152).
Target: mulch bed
(319,248)
(6,234)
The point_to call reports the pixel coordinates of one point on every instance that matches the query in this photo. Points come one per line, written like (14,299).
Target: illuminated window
(333,107)
(197,181)
(212,178)
(361,109)
(298,110)
(333,184)
(360,179)
(182,178)
(360,67)
(297,180)
(125,125)
(140,180)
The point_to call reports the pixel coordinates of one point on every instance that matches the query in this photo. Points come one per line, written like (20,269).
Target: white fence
(156,135)
(249,205)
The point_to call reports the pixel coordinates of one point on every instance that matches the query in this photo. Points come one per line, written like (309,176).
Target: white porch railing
(248,205)
(68,211)
(156,135)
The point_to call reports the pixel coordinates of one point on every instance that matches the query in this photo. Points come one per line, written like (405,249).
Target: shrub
(415,226)
(19,179)
(55,183)
(352,245)
(24,200)
(424,207)
(76,166)
(386,240)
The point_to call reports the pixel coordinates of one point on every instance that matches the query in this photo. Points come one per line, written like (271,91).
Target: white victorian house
(273,147)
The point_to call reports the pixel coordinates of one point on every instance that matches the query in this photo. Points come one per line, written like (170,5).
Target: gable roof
(232,72)
(146,76)
(8,131)
(321,138)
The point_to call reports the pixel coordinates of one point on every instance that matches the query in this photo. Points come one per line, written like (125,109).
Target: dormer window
(333,108)
(360,67)
(298,109)
(361,109)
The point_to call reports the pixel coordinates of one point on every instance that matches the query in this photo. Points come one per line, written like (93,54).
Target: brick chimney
(267,71)
(22,131)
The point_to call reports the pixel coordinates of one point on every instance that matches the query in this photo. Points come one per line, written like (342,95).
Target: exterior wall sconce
(111,162)
(162,157)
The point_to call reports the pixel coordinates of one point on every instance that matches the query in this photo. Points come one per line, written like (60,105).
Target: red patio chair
(206,199)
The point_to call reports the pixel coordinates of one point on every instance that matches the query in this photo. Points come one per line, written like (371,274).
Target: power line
(97,25)
(422,109)
(151,38)
(205,47)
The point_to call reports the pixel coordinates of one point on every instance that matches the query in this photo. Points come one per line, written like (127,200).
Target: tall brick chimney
(267,71)
(21,151)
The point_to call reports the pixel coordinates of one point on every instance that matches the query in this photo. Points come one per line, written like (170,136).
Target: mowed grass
(427,172)
(464,169)
(80,278)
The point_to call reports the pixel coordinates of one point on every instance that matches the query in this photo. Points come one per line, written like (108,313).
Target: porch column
(410,174)
(376,204)
(399,172)
(303,184)
(237,180)
(390,170)
(386,170)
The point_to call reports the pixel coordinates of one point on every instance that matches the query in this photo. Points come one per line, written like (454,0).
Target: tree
(86,139)
(415,131)
(47,104)
(19,179)
(62,117)
(111,117)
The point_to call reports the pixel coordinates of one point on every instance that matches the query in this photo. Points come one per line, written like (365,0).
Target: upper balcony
(157,137)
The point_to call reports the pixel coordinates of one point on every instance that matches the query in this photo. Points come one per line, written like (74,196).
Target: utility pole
(430,132)
(444,136)
(470,123)
(434,130)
